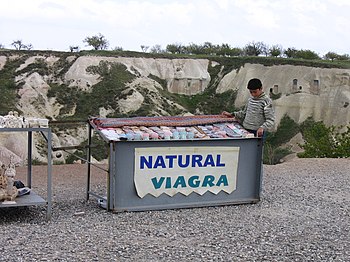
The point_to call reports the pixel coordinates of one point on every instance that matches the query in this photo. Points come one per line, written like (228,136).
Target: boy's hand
(260,132)
(227,114)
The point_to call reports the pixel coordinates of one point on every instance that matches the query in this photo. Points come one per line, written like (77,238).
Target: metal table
(33,198)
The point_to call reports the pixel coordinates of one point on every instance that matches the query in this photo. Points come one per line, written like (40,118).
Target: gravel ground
(303,216)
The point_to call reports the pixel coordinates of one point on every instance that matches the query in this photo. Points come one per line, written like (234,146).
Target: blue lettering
(168,182)
(159,162)
(157,184)
(197,159)
(222,180)
(171,160)
(208,180)
(143,162)
(209,161)
(193,181)
(182,161)
(180,181)
(181,164)
(218,159)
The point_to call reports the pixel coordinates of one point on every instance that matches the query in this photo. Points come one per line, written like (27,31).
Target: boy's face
(256,92)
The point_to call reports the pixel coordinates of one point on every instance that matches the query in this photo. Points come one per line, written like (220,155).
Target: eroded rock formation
(298,91)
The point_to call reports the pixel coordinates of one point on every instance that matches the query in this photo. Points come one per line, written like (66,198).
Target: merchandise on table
(170,128)
(14,120)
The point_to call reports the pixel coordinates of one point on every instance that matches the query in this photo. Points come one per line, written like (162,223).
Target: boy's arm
(269,114)
(240,115)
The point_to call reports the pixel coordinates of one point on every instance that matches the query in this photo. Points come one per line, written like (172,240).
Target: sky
(318,25)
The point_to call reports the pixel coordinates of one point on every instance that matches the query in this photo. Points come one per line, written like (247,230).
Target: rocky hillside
(300,91)
(69,86)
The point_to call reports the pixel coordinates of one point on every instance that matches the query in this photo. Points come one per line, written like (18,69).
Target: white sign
(173,170)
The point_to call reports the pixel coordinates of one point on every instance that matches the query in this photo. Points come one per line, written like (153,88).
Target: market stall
(177,162)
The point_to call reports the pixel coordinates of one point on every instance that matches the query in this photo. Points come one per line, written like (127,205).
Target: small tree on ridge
(98,42)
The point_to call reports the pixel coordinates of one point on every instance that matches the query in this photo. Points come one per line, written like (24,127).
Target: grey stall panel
(123,195)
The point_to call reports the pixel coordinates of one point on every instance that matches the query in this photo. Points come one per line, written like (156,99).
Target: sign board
(184,170)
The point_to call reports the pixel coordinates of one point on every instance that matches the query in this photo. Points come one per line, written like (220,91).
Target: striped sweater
(258,112)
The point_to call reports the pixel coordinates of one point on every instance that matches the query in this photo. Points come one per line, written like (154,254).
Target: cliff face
(303,92)
(183,76)
(297,91)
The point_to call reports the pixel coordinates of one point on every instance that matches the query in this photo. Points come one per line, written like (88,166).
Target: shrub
(8,87)
(322,141)
(273,153)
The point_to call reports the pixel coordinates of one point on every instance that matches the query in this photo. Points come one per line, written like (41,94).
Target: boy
(258,115)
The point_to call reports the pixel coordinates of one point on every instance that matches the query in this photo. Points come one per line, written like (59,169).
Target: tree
(236,51)
(224,50)
(19,45)
(156,49)
(334,56)
(98,42)
(255,48)
(144,48)
(172,48)
(265,50)
(74,48)
(208,48)
(28,47)
(275,50)
(331,56)
(344,57)
(118,48)
(290,52)
(306,54)
(194,49)
(176,48)
(2,46)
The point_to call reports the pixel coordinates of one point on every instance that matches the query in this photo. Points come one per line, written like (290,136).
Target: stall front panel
(186,187)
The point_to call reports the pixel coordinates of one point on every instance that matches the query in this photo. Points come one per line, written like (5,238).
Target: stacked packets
(132,133)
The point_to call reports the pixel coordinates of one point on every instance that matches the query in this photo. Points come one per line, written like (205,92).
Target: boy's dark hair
(254,84)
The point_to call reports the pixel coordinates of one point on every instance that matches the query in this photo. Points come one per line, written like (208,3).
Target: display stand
(123,193)
(33,199)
